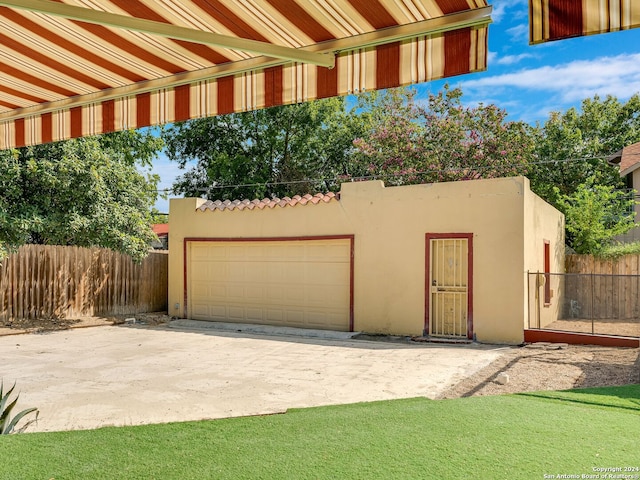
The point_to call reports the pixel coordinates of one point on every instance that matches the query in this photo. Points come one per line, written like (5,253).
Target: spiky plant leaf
(8,424)
(10,427)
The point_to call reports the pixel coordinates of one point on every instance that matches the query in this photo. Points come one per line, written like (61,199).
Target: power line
(473,168)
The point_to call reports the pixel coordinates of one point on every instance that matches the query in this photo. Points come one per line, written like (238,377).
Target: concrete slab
(185,324)
(131,375)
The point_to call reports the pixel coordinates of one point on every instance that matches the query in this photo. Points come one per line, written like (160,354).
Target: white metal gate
(449,287)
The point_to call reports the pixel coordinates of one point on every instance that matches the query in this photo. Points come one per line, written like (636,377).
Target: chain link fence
(585,303)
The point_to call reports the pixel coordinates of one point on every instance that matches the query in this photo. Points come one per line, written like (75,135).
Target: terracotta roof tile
(630,157)
(268,202)
(160,228)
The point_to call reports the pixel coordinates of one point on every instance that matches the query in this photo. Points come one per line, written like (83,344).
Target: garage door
(298,283)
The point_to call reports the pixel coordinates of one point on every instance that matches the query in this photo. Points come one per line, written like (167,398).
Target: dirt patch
(50,324)
(624,328)
(547,367)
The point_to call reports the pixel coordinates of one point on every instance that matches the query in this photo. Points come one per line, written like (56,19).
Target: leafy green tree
(85,192)
(595,214)
(439,140)
(158,217)
(573,146)
(285,150)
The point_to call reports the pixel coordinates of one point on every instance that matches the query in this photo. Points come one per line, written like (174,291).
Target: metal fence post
(592,295)
(528,299)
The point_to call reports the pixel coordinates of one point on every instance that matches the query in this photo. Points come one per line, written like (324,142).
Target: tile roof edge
(240,205)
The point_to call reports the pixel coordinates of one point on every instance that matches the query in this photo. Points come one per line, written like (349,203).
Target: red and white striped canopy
(558,19)
(70,68)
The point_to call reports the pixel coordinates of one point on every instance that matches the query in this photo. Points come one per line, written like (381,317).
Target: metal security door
(449,277)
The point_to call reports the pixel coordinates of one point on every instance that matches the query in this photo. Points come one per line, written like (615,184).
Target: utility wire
(475,168)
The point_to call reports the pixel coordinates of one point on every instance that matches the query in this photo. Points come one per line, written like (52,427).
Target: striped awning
(557,19)
(70,68)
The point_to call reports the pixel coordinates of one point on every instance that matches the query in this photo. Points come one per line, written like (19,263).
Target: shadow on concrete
(306,336)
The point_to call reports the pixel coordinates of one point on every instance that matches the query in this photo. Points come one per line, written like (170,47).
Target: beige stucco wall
(389,225)
(543,223)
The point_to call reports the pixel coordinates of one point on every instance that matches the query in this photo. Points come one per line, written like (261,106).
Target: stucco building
(445,259)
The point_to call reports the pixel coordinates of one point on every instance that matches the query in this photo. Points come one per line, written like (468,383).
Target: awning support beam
(98,17)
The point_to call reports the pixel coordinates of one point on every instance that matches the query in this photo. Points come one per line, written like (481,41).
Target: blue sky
(528,81)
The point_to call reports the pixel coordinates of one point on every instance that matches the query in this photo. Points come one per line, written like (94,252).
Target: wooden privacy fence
(40,281)
(626,265)
(602,289)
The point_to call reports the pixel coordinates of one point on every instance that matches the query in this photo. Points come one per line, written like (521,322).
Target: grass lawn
(514,436)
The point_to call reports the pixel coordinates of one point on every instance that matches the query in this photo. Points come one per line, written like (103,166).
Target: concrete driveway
(131,375)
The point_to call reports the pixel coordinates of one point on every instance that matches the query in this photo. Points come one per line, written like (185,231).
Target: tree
(573,146)
(85,192)
(441,140)
(595,214)
(285,150)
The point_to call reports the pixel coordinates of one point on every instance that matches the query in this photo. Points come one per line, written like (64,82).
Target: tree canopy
(571,172)
(573,146)
(439,140)
(271,152)
(85,192)
(394,136)
(296,149)
(94,191)
(595,214)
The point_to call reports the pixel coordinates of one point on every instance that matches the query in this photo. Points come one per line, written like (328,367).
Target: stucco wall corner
(361,189)
(181,220)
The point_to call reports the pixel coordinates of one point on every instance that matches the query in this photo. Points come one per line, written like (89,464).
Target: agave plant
(8,424)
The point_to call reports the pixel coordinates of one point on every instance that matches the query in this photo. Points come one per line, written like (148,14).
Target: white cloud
(498,12)
(519,32)
(510,59)
(571,82)
(515,7)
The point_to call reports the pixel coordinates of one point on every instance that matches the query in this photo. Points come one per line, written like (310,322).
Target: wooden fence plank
(614,288)
(54,281)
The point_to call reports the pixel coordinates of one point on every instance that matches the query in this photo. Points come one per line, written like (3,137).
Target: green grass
(514,436)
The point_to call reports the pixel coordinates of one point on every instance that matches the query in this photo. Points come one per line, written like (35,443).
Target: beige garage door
(300,283)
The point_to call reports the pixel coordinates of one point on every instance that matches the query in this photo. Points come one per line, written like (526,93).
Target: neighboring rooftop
(268,202)
(160,228)
(628,159)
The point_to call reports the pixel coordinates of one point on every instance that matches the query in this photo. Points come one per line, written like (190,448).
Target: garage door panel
(236,274)
(201,290)
(217,311)
(297,283)
(293,316)
(323,271)
(331,253)
(275,295)
(218,292)
(201,275)
(319,294)
(256,292)
(236,313)
(235,252)
(200,309)
(274,316)
(276,273)
(293,273)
